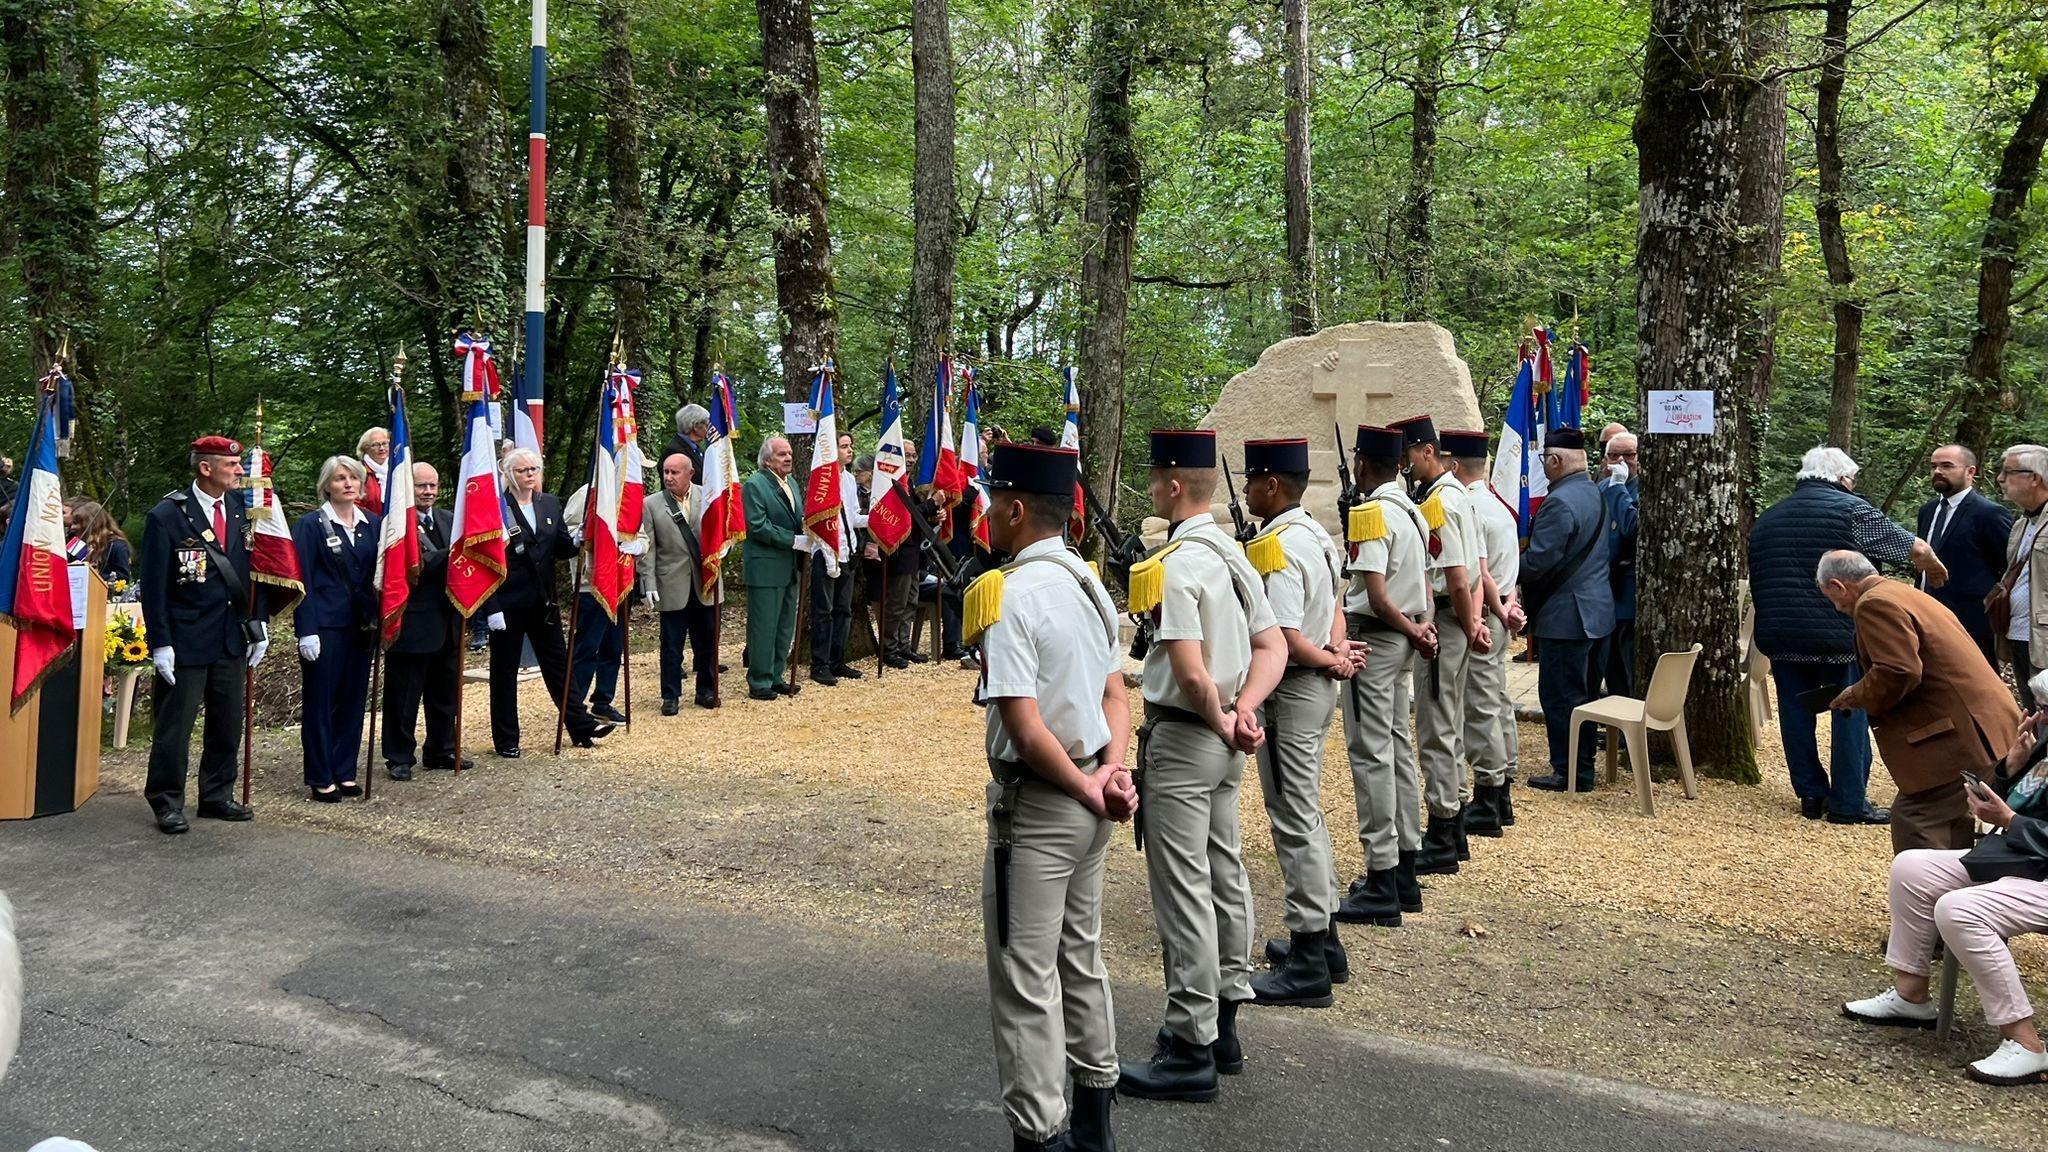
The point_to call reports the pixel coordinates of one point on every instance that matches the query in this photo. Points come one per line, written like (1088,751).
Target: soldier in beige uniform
(1490,745)
(1217,655)
(1058,729)
(1386,604)
(1301,566)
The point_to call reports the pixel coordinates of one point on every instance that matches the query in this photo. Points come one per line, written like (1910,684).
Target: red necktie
(220,524)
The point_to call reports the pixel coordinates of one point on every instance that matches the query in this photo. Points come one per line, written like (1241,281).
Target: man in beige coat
(1934,705)
(671,575)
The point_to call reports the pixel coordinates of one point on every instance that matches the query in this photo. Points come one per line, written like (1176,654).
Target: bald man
(430,641)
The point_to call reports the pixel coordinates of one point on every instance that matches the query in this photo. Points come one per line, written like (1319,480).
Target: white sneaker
(2011,1064)
(1890,1008)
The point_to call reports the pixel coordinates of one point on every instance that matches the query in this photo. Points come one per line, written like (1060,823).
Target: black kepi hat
(1461,442)
(1568,438)
(1034,468)
(1378,443)
(1266,456)
(1184,448)
(1415,430)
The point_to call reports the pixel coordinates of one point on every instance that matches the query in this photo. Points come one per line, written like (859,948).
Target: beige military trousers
(1440,716)
(1489,739)
(1048,990)
(1383,774)
(1201,897)
(1297,722)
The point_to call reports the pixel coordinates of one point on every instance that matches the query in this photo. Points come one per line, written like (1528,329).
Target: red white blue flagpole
(537,204)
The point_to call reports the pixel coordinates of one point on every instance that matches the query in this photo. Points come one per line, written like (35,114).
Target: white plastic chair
(1661,710)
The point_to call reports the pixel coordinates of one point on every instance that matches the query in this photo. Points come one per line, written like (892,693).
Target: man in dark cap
(194,576)
(1216,656)
(1570,602)
(1058,732)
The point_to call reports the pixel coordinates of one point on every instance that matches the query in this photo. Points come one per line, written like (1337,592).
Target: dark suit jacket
(340,570)
(1620,502)
(768,557)
(429,624)
(1935,705)
(1569,599)
(530,559)
(1973,549)
(184,606)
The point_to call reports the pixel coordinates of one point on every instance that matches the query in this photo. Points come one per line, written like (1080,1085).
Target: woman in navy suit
(337,626)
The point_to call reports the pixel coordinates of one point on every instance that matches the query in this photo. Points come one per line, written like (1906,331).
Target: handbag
(1995,857)
(1998,601)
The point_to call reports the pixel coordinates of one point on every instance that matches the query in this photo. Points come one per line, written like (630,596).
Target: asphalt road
(256,987)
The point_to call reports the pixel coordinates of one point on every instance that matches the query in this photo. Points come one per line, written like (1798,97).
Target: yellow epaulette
(1148,580)
(1368,523)
(1095,570)
(1265,553)
(1433,511)
(981,605)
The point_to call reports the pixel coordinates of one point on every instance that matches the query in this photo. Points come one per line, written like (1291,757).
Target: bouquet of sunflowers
(127,647)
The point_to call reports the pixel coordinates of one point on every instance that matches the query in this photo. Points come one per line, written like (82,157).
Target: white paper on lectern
(78,572)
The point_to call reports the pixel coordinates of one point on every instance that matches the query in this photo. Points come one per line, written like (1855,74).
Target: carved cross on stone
(1350,382)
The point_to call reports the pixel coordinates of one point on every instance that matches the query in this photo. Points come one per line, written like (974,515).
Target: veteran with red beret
(194,577)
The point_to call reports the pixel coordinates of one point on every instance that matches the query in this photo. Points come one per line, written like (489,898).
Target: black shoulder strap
(1244,598)
(1087,592)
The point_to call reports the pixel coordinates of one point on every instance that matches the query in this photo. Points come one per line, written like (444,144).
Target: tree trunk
(1827,212)
(1985,365)
(1418,269)
(479,186)
(1690,312)
(1760,253)
(796,192)
(52,182)
(622,178)
(934,207)
(1301,244)
(1111,201)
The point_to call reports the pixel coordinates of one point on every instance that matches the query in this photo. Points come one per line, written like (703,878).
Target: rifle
(922,528)
(1244,531)
(1347,492)
(1119,553)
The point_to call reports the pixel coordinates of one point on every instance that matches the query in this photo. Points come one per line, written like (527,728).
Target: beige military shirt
(1503,537)
(1459,543)
(1303,593)
(1400,556)
(1051,645)
(1199,603)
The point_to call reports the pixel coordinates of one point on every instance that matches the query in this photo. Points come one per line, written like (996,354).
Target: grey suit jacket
(1568,598)
(669,565)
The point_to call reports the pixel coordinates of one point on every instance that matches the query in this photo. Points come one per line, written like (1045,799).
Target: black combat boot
(1334,957)
(1229,1054)
(1458,832)
(1090,1131)
(1022,1143)
(1482,815)
(1302,980)
(1377,903)
(1406,887)
(1507,804)
(1178,1070)
(1439,855)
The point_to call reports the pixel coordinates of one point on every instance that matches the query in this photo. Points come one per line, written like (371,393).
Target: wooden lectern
(50,749)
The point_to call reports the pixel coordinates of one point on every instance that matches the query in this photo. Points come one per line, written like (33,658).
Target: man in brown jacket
(1937,708)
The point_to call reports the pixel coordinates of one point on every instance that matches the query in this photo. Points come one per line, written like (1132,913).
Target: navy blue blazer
(429,622)
(340,570)
(530,559)
(1569,598)
(1973,549)
(188,604)
(1620,502)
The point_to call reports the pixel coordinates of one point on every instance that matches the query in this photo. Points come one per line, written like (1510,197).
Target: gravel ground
(1706,950)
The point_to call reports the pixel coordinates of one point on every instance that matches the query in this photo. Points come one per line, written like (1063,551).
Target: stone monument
(1341,377)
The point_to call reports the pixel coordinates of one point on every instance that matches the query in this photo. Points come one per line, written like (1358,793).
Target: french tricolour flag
(601,511)
(632,464)
(398,541)
(1070,437)
(476,560)
(273,559)
(724,518)
(888,506)
(938,463)
(821,491)
(1517,463)
(970,463)
(35,583)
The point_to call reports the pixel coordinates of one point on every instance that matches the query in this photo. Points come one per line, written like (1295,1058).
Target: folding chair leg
(1681,746)
(1951,970)
(1639,759)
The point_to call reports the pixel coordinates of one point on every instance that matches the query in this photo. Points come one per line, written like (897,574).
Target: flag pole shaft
(803,604)
(569,656)
(248,705)
(370,744)
(882,615)
(461,675)
(626,656)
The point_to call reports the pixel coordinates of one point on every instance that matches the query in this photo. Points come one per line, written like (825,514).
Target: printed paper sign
(1689,413)
(797,419)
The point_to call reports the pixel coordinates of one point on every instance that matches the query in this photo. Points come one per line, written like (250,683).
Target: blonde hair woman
(337,627)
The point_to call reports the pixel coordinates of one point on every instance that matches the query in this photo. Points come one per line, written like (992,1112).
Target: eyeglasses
(2004,472)
(1619,455)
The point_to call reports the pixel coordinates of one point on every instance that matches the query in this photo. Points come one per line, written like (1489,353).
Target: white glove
(1618,472)
(831,566)
(495,622)
(634,547)
(309,648)
(256,652)
(653,600)
(166,662)
(576,535)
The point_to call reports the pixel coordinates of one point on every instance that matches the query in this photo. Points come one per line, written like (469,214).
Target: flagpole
(882,628)
(803,604)
(569,669)
(626,656)
(370,744)
(461,675)
(249,670)
(537,198)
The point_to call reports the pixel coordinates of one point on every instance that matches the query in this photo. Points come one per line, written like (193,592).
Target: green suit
(768,563)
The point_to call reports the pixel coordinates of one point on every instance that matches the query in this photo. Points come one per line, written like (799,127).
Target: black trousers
(176,708)
(695,626)
(600,647)
(1560,687)
(2022,670)
(1611,670)
(337,690)
(899,601)
(831,613)
(543,626)
(411,678)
